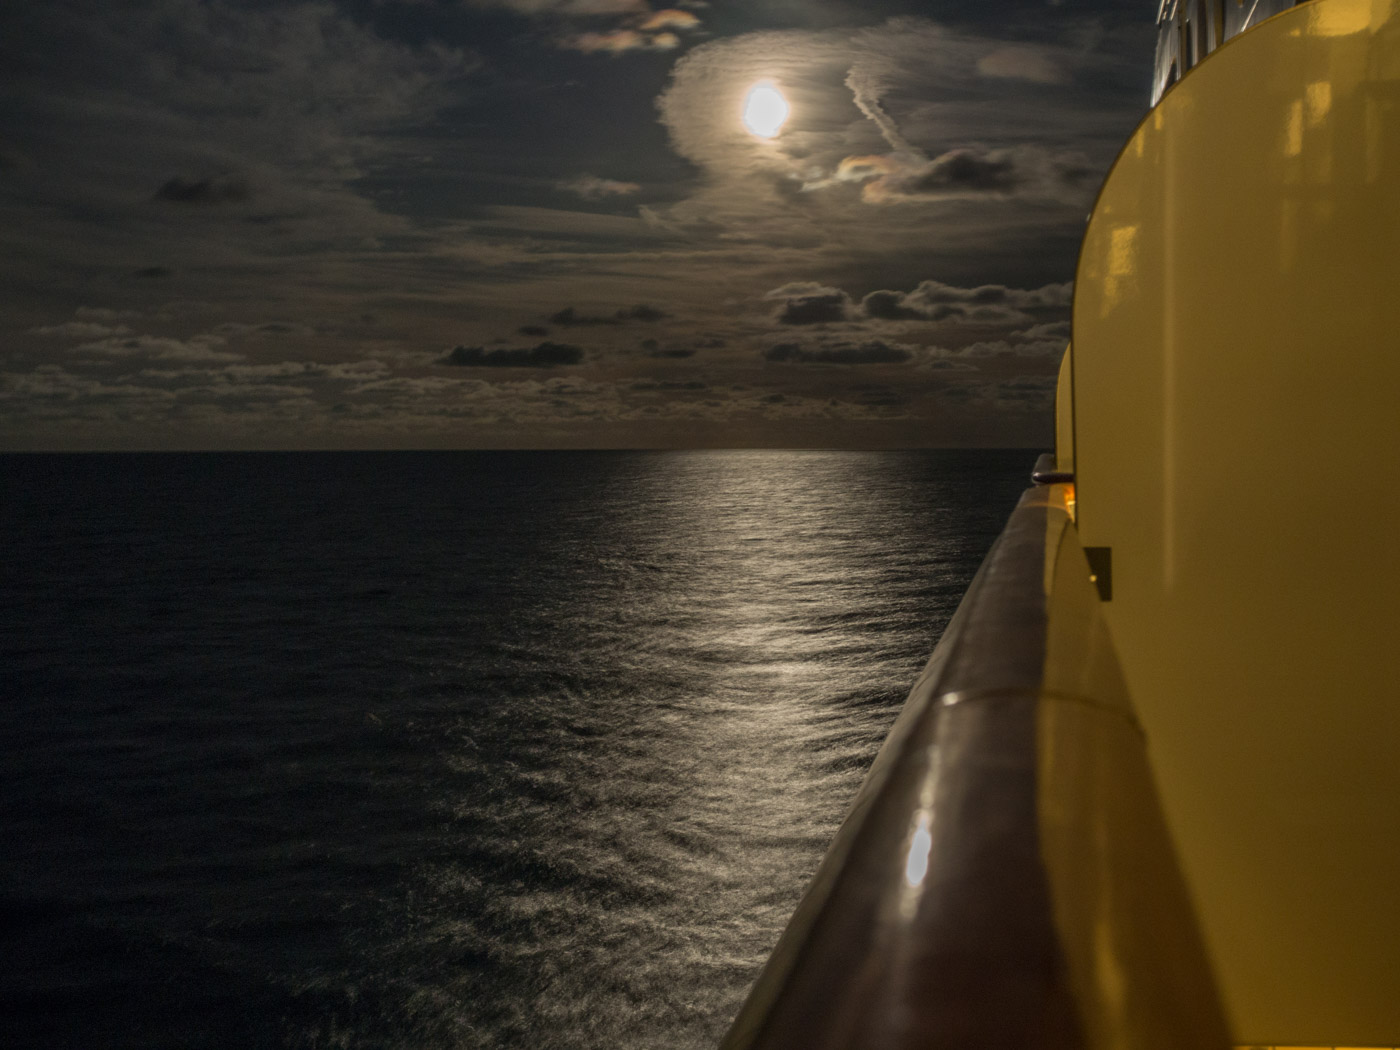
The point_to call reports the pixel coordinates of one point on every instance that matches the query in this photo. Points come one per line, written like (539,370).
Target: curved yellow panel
(1064,416)
(1236,392)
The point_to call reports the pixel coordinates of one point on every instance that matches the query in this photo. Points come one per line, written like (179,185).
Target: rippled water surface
(432,750)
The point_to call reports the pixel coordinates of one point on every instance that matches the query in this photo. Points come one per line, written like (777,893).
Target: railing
(1004,878)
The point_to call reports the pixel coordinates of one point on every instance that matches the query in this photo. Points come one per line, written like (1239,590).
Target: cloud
(81,330)
(210,106)
(1023,62)
(897,178)
(868,81)
(678,351)
(1016,344)
(959,169)
(815,309)
(100,313)
(157,348)
(620,41)
(867,353)
(641,312)
(545,355)
(568,7)
(660,385)
(643,30)
(591,187)
(984,304)
(238,374)
(670,19)
(1051,330)
(569,316)
(222,189)
(890,114)
(808,303)
(1026,393)
(366,193)
(1039,340)
(266,328)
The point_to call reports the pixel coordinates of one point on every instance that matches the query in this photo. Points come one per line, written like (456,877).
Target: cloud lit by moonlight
(765,110)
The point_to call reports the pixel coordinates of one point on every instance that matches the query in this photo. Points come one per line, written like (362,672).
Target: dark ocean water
(432,750)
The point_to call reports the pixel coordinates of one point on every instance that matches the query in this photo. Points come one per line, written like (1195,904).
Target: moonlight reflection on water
(441,750)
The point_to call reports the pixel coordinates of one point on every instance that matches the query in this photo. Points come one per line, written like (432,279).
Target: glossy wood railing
(1004,878)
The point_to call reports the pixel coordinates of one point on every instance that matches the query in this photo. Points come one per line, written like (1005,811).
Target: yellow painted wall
(1236,392)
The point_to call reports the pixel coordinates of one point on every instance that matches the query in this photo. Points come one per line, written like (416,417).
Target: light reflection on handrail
(917,866)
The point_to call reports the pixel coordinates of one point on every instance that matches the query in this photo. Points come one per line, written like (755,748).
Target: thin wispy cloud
(592,188)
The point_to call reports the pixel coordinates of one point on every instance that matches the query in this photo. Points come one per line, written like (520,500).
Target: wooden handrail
(1004,877)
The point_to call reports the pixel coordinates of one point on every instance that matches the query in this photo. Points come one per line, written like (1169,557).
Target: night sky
(543,223)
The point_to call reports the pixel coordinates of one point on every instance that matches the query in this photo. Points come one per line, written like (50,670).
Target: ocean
(445,750)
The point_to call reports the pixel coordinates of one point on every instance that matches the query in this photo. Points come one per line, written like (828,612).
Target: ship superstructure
(1188,30)
(1147,792)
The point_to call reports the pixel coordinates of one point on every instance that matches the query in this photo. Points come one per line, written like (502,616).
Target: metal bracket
(1101,570)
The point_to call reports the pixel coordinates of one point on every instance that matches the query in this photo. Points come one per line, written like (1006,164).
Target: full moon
(765,111)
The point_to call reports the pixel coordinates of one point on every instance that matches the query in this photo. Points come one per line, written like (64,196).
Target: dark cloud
(964,394)
(81,330)
(569,316)
(814,309)
(235,328)
(807,303)
(223,189)
(146,348)
(592,188)
(154,271)
(878,396)
(655,349)
(1050,330)
(890,306)
(643,30)
(868,353)
(573,8)
(1029,392)
(620,41)
(668,385)
(537,330)
(545,355)
(104,314)
(968,171)
(984,304)
(641,312)
(1049,346)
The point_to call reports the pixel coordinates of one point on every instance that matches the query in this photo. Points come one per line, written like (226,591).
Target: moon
(765,110)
